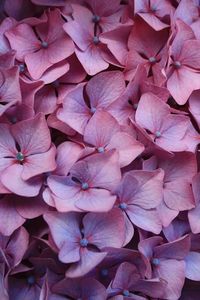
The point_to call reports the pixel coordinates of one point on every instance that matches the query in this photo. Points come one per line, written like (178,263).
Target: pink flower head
(90,50)
(126,105)
(138,195)
(40,51)
(177,191)
(80,240)
(109,136)
(88,186)
(156,13)
(167,130)
(26,151)
(146,46)
(166,261)
(102,90)
(183,71)
(127,281)
(103,17)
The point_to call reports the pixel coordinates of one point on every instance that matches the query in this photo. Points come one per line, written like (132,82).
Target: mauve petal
(92,59)
(178,195)
(80,34)
(10,218)
(89,260)
(75,112)
(7,142)
(105,172)
(18,245)
(37,63)
(64,227)
(153,21)
(192,271)
(193,217)
(46,100)
(166,214)
(105,229)
(177,249)
(173,272)
(189,55)
(32,135)
(152,287)
(69,252)
(30,208)
(12,180)
(187,11)
(172,132)
(142,188)
(105,88)
(76,288)
(182,83)
(175,169)
(146,219)
(151,112)
(100,129)
(125,282)
(194,106)
(22,39)
(127,146)
(64,193)
(39,163)
(146,247)
(95,200)
(70,150)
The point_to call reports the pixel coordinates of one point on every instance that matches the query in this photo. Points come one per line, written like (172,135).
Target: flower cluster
(99,159)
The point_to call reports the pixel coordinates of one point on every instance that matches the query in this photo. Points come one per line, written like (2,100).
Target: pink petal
(95,200)
(173,272)
(32,135)
(178,195)
(11,219)
(12,180)
(182,83)
(92,59)
(104,88)
(39,163)
(23,40)
(105,229)
(75,111)
(155,112)
(145,219)
(192,271)
(89,260)
(99,130)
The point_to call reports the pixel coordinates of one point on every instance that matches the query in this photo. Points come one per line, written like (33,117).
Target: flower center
(123,206)
(93,110)
(44,44)
(20,156)
(96,40)
(31,279)
(101,149)
(152,60)
(158,134)
(155,261)
(104,272)
(125,293)
(95,19)
(21,68)
(84,242)
(85,186)
(177,64)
